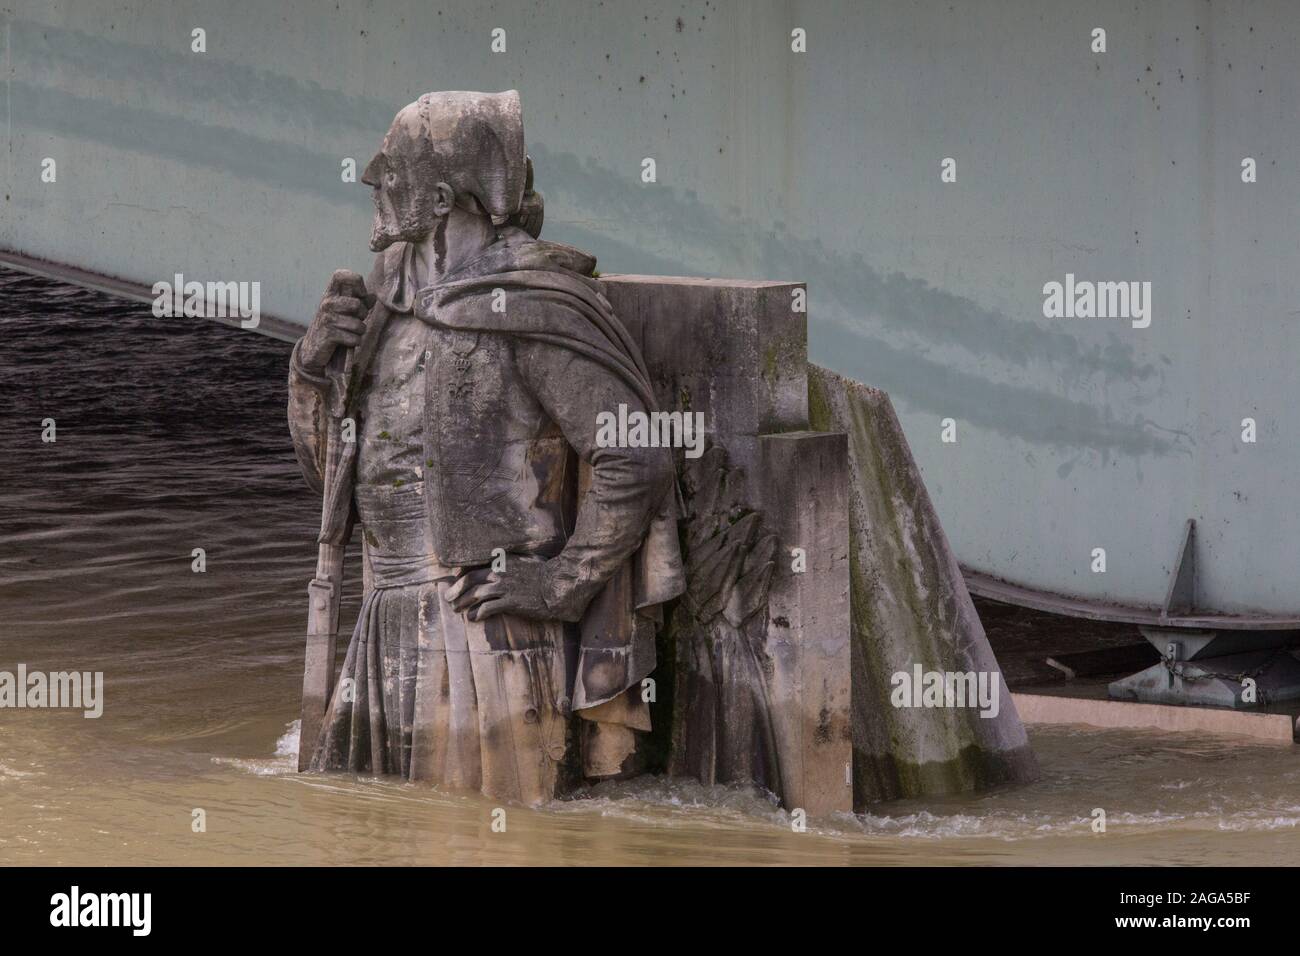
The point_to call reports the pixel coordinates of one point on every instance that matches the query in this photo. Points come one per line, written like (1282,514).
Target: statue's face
(402,176)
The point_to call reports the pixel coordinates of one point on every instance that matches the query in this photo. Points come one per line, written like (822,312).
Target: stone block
(910,607)
(733,349)
(806,480)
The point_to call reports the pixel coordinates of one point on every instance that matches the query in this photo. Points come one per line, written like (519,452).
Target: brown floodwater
(170,437)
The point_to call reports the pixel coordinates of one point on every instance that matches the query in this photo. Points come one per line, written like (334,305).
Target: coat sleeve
(309,403)
(308,419)
(628,485)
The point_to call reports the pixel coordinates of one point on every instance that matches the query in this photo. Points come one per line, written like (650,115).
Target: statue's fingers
(489,609)
(347,282)
(466,601)
(347,323)
(343,337)
(457,588)
(467,596)
(477,595)
(467,579)
(356,287)
(344,305)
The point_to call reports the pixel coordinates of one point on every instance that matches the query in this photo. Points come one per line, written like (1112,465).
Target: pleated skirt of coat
(426,694)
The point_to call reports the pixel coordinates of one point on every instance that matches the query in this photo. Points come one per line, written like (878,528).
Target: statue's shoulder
(517,251)
(532,270)
(544,255)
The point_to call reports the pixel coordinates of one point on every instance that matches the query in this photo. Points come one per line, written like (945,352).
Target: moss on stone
(900,622)
(771,362)
(820,417)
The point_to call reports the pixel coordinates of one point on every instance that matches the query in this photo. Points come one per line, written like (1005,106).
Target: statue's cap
(478,140)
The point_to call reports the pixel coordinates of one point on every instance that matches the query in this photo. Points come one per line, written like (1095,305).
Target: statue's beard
(380,237)
(388,229)
(385,232)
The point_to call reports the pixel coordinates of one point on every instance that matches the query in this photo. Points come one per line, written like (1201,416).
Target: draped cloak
(553,299)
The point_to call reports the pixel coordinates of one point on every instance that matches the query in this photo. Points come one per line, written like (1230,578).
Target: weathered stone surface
(723,700)
(762,648)
(910,606)
(814,565)
(761,653)
(746,706)
(806,480)
(733,349)
(460,473)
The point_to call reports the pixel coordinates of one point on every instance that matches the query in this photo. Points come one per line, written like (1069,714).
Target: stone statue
(516,570)
(523,579)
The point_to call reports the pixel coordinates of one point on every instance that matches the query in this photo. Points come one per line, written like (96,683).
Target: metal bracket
(1181,598)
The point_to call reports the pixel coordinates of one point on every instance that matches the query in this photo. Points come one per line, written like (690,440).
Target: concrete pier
(817,567)
(910,606)
(809,609)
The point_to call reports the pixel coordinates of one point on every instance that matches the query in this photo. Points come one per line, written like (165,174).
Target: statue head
(445,151)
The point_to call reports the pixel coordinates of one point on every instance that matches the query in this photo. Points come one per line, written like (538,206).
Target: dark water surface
(171,437)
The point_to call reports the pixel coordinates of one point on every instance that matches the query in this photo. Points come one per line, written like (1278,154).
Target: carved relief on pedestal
(723,729)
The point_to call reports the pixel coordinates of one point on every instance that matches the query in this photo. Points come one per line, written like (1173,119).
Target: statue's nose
(373,173)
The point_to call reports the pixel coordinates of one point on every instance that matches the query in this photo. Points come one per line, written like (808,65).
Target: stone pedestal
(805,479)
(910,608)
(815,565)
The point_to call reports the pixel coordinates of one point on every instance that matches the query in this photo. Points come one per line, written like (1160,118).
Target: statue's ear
(444,199)
(531,212)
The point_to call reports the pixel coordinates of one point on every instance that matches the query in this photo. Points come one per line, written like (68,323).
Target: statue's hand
(339,321)
(517,590)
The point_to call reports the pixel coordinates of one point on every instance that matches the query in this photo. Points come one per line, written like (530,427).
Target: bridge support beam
(1238,669)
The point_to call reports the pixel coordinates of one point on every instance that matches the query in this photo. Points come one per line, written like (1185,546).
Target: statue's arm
(309,400)
(628,485)
(338,324)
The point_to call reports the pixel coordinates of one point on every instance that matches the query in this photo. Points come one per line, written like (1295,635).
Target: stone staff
(325,589)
